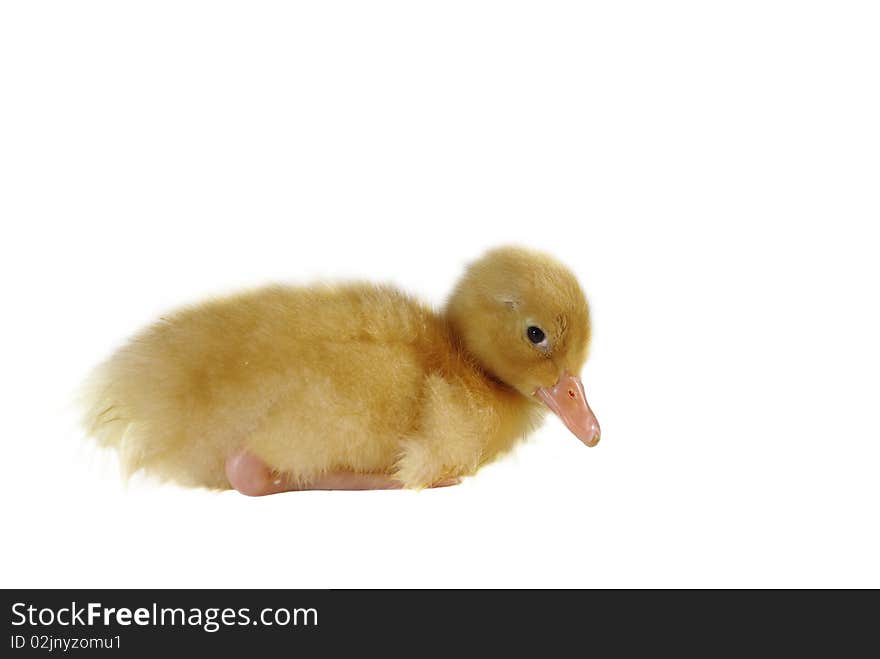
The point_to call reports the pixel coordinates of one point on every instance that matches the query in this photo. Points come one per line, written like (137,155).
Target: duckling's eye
(535,334)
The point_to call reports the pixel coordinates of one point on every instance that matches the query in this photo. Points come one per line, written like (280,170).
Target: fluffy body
(308,379)
(352,377)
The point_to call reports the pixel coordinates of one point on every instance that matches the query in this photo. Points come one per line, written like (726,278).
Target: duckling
(351,387)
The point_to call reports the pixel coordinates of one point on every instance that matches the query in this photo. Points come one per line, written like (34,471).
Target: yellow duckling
(349,387)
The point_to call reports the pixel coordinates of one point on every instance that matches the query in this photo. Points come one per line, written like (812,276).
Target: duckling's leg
(251,476)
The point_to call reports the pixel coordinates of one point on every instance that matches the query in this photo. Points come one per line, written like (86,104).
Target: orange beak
(569,402)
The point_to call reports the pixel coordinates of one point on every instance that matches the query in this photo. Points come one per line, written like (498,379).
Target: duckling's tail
(132,403)
(109,415)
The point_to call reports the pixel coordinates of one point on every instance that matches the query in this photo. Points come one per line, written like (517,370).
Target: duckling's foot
(447,482)
(251,476)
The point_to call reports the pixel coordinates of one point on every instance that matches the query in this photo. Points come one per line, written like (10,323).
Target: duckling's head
(524,317)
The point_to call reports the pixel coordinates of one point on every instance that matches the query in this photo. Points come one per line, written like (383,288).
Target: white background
(709,170)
